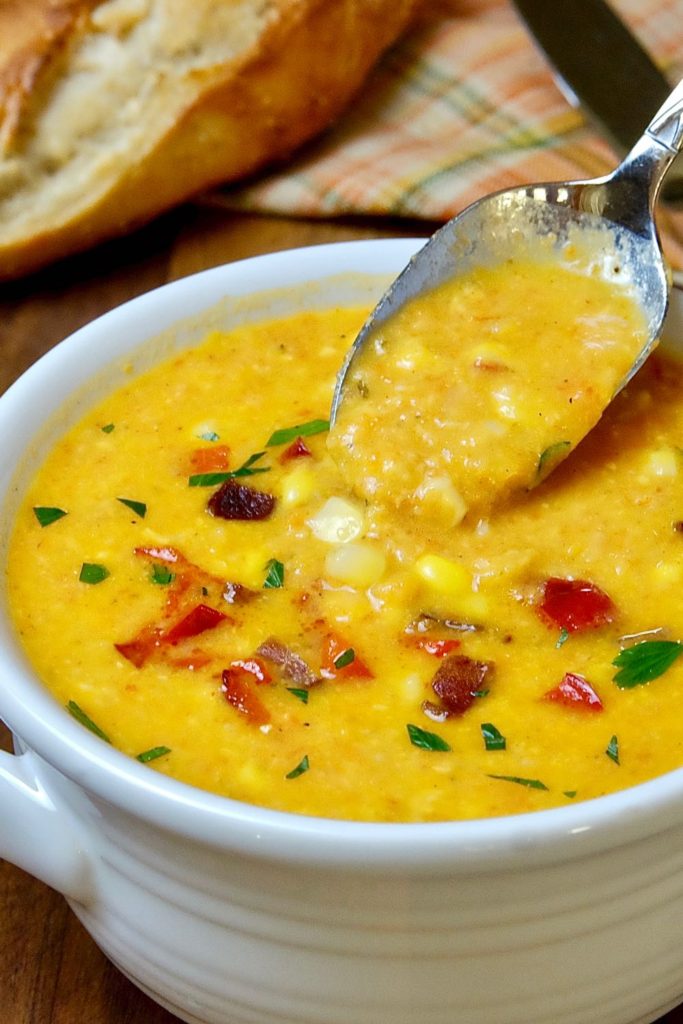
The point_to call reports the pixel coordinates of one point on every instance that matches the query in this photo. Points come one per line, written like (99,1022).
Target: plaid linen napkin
(464,105)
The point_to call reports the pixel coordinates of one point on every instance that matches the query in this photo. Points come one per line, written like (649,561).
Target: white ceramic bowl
(231,914)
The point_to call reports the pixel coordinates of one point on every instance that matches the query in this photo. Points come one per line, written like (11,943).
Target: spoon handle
(666,126)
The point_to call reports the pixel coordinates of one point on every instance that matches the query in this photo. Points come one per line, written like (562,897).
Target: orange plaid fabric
(464,105)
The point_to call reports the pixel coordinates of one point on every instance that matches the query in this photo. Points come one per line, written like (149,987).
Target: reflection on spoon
(566,281)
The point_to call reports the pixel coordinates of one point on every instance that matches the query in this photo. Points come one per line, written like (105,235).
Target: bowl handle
(38,834)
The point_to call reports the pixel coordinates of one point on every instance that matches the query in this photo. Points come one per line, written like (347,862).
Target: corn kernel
(665,573)
(444,576)
(298,486)
(358,563)
(664,462)
(409,354)
(440,500)
(338,521)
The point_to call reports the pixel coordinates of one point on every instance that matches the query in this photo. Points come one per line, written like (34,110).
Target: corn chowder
(480,391)
(193,578)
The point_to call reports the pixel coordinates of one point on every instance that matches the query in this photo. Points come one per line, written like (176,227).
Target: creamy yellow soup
(480,389)
(327,657)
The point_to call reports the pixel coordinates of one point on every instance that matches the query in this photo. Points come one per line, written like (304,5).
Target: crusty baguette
(112,111)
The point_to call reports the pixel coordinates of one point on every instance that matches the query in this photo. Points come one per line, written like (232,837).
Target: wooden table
(50,970)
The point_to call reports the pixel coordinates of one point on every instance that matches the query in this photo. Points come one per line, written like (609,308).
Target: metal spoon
(616,209)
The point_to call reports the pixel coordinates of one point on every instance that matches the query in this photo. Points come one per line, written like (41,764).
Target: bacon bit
(575,605)
(430,645)
(233,500)
(297,450)
(456,682)
(425,622)
(255,668)
(209,460)
(237,593)
(139,649)
(236,685)
(575,691)
(333,647)
(433,711)
(292,664)
(197,621)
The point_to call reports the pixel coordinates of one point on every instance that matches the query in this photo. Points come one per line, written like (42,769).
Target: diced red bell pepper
(210,460)
(333,647)
(197,621)
(575,691)
(236,686)
(297,449)
(575,605)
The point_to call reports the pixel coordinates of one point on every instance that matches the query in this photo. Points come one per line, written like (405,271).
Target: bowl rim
(44,727)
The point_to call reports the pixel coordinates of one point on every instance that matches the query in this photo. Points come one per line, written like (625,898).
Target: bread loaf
(112,111)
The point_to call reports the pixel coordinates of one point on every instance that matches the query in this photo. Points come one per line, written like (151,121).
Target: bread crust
(216,123)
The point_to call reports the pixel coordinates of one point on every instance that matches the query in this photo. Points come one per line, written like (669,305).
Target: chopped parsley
(288,434)
(79,714)
(562,638)
(300,693)
(550,455)
(152,754)
(107,428)
(493,739)
(531,783)
(302,767)
(569,793)
(47,515)
(138,507)
(161,575)
(91,572)
(426,740)
(645,661)
(246,469)
(612,750)
(275,575)
(346,657)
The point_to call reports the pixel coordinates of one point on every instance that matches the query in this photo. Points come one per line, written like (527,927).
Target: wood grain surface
(50,970)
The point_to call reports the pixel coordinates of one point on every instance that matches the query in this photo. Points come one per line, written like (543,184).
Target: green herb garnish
(570,793)
(301,430)
(562,638)
(91,572)
(209,435)
(531,783)
(645,661)
(46,515)
(345,658)
(302,767)
(612,750)
(426,740)
(152,754)
(246,469)
(276,575)
(161,575)
(138,507)
(79,714)
(480,693)
(493,740)
(107,428)
(550,455)
(299,693)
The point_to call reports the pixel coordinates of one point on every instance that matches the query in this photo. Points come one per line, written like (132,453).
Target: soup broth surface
(191,573)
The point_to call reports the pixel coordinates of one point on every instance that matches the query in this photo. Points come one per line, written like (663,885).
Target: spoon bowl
(612,217)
